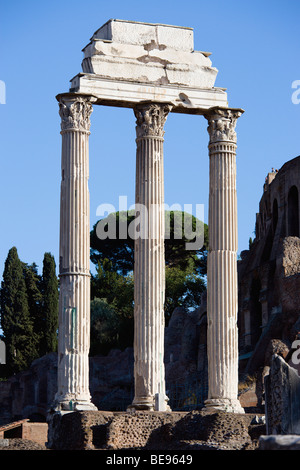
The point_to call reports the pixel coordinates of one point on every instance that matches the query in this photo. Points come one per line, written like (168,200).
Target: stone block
(160,402)
(4,443)
(277,442)
(282,396)
(138,33)
(127,62)
(148,53)
(248,399)
(36,432)
(127,94)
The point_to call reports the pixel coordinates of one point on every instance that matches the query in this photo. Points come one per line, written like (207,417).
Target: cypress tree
(33,283)
(50,304)
(17,326)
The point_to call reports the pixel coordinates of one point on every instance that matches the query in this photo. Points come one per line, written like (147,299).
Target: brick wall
(36,432)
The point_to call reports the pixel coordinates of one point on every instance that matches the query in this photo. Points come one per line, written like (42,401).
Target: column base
(73,405)
(156,403)
(224,404)
(142,403)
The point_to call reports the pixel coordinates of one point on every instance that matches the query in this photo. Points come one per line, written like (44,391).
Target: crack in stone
(149,58)
(154,45)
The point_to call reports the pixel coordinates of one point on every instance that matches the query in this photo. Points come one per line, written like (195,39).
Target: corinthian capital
(221,124)
(75,111)
(150,119)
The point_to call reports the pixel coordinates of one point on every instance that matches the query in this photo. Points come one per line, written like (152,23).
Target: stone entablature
(119,50)
(127,62)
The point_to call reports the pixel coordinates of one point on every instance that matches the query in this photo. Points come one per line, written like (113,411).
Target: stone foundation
(106,430)
(150,430)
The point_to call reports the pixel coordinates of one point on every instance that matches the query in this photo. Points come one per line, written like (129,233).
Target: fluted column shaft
(74,255)
(222,290)
(149,259)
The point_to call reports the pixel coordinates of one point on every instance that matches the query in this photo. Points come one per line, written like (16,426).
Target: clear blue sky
(255,47)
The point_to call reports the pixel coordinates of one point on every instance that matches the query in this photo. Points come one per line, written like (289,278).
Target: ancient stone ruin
(269,313)
(154,70)
(269,273)
(282,386)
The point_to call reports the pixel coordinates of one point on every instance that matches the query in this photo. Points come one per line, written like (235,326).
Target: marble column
(149,259)
(222,290)
(74,255)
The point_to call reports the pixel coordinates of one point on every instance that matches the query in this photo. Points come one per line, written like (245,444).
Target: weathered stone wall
(74,430)
(108,430)
(282,388)
(135,430)
(153,431)
(272,266)
(29,393)
(291,256)
(37,432)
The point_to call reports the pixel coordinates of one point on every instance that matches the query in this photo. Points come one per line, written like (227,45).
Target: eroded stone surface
(128,62)
(197,430)
(121,49)
(288,442)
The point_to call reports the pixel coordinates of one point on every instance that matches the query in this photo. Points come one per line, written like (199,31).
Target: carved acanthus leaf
(150,119)
(221,124)
(75,113)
